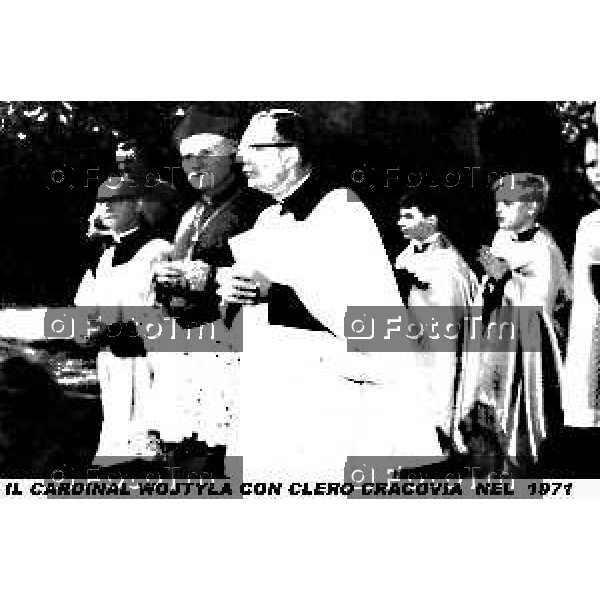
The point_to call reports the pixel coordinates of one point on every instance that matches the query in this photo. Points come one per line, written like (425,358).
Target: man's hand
(169,274)
(191,273)
(235,288)
(494,266)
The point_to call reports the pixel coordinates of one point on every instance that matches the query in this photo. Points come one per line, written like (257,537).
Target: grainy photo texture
(351,299)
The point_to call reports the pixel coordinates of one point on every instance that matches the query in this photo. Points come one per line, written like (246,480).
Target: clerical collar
(422,246)
(306,195)
(217,194)
(117,237)
(527,235)
(289,190)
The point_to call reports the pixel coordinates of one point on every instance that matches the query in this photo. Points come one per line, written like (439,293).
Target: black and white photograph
(254,292)
(298,256)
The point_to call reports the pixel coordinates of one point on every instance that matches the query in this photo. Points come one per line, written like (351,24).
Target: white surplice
(194,392)
(449,287)
(582,368)
(302,411)
(125,383)
(524,379)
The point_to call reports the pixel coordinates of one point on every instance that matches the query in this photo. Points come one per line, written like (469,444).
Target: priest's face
(415,225)
(207,160)
(267,159)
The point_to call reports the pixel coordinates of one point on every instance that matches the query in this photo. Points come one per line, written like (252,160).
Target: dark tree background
(53,155)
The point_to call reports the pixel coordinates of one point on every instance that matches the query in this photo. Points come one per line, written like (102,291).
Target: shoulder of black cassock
(285,308)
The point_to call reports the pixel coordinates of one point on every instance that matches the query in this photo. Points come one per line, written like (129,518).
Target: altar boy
(524,269)
(436,283)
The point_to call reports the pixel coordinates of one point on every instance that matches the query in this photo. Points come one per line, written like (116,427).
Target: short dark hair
(293,128)
(427,200)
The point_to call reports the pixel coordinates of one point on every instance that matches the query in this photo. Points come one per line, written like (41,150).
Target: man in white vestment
(306,402)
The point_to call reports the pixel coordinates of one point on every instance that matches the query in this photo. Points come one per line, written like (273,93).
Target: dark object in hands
(191,308)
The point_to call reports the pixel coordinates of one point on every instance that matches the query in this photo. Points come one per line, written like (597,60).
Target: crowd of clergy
(273,244)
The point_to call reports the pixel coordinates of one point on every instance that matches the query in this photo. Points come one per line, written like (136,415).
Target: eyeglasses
(272,145)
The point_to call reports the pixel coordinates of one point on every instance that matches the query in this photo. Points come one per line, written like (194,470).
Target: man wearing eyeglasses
(277,156)
(308,403)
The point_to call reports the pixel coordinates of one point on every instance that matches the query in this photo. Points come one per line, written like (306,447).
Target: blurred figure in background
(124,277)
(582,393)
(37,429)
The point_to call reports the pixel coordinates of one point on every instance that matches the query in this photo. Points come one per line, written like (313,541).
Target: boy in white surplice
(435,282)
(524,269)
